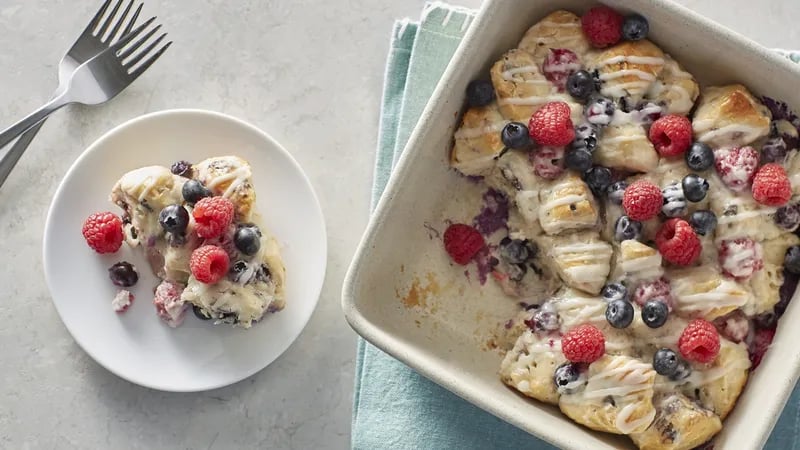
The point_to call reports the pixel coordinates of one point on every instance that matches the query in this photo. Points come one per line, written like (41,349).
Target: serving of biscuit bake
(650,235)
(203,239)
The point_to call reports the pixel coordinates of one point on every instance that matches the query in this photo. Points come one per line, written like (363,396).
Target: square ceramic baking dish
(403,295)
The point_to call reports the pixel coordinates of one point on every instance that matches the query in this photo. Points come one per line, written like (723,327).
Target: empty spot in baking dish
(421,293)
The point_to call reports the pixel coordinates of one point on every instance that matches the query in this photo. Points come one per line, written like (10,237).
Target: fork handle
(10,158)
(10,133)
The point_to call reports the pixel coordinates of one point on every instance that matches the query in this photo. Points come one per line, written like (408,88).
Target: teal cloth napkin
(394,406)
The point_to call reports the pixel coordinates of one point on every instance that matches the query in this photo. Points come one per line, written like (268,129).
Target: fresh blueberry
(788,217)
(614,291)
(600,111)
(545,320)
(198,312)
(123,274)
(774,151)
(247,239)
(654,313)
(585,137)
(665,362)
(480,93)
(566,376)
(699,156)
(515,135)
(578,159)
(619,313)
(792,260)
(674,201)
(174,219)
(182,168)
(514,251)
(580,84)
(682,371)
(193,191)
(635,28)
(703,221)
(695,187)
(598,178)
(626,229)
(616,191)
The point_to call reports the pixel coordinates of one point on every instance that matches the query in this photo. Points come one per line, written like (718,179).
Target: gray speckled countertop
(305,72)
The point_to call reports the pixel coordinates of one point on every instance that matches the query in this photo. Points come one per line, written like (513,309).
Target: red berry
(699,341)
(658,289)
(103,232)
(771,185)
(462,242)
(548,162)
(678,242)
(122,301)
(209,263)
(559,64)
(642,200)
(584,343)
(736,166)
(740,258)
(762,338)
(671,135)
(603,26)
(212,216)
(552,126)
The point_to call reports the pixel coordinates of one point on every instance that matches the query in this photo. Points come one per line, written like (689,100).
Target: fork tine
(107,23)
(144,52)
(129,51)
(149,61)
(113,35)
(133,20)
(96,19)
(132,35)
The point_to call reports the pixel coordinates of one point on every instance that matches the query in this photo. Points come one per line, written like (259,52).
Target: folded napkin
(395,407)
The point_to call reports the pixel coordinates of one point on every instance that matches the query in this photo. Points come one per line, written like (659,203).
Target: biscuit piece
(582,259)
(561,29)
(230,177)
(718,386)
(617,397)
(477,140)
(680,424)
(704,292)
(530,365)
(626,147)
(730,116)
(636,262)
(567,204)
(674,88)
(628,69)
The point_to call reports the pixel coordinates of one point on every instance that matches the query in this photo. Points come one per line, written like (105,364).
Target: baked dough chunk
(628,69)
(477,140)
(730,116)
(718,386)
(674,88)
(636,262)
(704,292)
(561,29)
(680,424)
(567,204)
(582,260)
(530,365)
(626,147)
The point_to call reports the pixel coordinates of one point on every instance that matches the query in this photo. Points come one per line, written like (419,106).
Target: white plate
(137,345)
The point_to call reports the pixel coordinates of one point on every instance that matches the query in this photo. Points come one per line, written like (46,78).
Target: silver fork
(95,69)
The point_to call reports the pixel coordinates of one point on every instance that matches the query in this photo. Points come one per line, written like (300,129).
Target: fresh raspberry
(771,186)
(462,242)
(548,162)
(678,242)
(212,216)
(740,258)
(736,166)
(699,341)
(671,135)
(584,343)
(762,338)
(209,264)
(552,126)
(559,64)
(169,305)
(603,26)
(103,232)
(651,290)
(642,200)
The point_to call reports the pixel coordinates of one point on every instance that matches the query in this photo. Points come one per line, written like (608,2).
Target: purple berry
(123,274)
(788,217)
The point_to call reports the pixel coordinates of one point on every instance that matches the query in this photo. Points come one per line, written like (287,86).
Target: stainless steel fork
(98,81)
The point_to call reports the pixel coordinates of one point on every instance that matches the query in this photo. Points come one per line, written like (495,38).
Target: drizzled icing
(584,263)
(645,79)
(534,100)
(689,299)
(476,132)
(508,75)
(728,135)
(236,177)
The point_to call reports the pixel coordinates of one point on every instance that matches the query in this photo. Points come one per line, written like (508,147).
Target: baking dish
(402,294)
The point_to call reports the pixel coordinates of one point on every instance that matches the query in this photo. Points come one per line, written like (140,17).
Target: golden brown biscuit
(567,203)
(680,424)
(477,140)
(561,29)
(674,88)
(636,262)
(730,116)
(617,397)
(628,69)
(520,86)
(230,177)
(718,386)
(530,365)
(740,216)
(704,292)
(626,147)
(581,259)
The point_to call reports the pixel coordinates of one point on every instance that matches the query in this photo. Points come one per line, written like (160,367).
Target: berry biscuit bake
(650,226)
(198,227)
